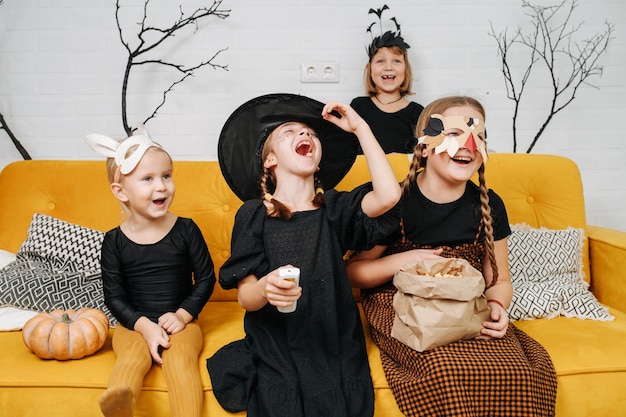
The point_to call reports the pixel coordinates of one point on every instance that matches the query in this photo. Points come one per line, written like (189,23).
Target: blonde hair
(114,174)
(405,89)
(268,185)
(417,163)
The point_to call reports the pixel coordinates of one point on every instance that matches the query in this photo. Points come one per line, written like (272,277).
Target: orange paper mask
(471,138)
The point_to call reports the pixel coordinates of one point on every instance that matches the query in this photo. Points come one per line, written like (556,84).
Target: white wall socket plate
(319,72)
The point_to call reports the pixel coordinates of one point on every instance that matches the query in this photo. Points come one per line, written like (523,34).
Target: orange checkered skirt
(512,376)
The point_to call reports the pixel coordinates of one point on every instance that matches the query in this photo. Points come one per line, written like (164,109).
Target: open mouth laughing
(464,160)
(304,148)
(159,201)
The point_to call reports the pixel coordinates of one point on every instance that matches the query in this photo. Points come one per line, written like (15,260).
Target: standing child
(503,372)
(388,80)
(157,276)
(310,362)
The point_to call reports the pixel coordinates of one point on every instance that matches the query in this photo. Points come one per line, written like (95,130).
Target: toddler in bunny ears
(157,276)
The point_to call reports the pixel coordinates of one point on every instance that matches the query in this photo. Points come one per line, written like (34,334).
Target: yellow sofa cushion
(590,363)
(71,388)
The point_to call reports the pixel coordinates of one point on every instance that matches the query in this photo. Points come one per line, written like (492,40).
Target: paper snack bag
(439,301)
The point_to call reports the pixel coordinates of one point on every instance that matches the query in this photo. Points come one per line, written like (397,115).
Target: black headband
(387,39)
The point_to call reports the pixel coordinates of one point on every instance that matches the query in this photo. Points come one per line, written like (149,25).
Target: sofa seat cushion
(53,382)
(24,375)
(223,321)
(383,393)
(589,359)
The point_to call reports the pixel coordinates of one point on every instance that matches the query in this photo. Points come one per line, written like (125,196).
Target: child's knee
(188,341)
(135,354)
(180,355)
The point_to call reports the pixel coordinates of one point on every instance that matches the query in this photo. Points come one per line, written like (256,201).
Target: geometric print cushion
(32,283)
(547,275)
(49,236)
(57,267)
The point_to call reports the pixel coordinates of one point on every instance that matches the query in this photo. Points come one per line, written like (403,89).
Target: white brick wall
(61,69)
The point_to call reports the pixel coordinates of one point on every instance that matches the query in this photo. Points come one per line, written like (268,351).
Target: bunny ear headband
(111,148)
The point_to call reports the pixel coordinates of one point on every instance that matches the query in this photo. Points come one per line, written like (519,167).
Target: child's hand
(279,292)
(171,322)
(154,336)
(350,120)
(417,255)
(496,328)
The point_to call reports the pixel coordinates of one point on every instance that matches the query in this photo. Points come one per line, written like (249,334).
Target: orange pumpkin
(63,335)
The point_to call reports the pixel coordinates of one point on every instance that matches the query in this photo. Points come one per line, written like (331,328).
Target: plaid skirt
(511,376)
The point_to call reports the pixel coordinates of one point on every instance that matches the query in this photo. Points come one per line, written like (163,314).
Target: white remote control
(289,274)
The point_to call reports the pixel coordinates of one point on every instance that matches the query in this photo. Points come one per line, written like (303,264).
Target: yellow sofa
(540,190)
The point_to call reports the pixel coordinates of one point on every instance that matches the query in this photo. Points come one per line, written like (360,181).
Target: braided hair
(418,163)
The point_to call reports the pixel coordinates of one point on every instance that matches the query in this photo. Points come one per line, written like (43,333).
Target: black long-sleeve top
(153,279)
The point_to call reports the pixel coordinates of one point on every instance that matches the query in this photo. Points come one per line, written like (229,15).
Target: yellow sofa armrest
(607,253)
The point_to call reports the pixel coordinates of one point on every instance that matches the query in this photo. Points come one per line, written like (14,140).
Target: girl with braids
(502,372)
(312,361)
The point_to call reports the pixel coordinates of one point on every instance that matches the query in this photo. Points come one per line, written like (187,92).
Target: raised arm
(386,190)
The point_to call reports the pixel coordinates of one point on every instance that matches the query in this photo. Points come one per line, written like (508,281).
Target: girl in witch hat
(282,154)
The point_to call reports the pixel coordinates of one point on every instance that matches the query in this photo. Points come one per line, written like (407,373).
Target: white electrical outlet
(319,72)
(329,72)
(309,72)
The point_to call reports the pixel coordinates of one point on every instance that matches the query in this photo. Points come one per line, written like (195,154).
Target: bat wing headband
(386,39)
(472,136)
(111,148)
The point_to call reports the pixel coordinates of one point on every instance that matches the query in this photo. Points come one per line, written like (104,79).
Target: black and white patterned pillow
(57,239)
(57,267)
(547,275)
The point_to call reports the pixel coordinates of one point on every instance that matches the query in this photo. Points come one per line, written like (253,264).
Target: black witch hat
(246,130)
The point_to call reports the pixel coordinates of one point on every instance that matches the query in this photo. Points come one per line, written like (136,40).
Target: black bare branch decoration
(157,36)
(18,145)
(551,43)
(4,126)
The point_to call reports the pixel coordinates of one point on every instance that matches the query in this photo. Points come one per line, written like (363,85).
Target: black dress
(394,131)
(311,362)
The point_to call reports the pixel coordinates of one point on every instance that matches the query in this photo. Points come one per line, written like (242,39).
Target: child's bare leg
(182,373)
(126,379)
